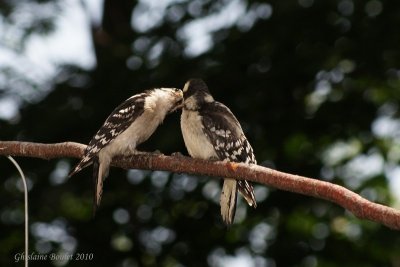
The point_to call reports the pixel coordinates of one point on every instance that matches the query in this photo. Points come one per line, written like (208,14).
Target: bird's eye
(176,89)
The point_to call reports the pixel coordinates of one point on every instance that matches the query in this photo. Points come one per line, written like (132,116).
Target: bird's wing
(229,145)
(218,123)
(116,123)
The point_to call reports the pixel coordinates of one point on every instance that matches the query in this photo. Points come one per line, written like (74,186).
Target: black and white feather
(211,131)
(129,125)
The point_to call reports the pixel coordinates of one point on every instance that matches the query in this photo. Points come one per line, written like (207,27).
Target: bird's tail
(100,172)
(95,185)
(229,197)
(247,191)
(228,200)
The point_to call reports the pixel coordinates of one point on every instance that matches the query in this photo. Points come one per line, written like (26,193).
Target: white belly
(195,140)
(140,130)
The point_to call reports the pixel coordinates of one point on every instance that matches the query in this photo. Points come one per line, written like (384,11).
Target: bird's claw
(177,154)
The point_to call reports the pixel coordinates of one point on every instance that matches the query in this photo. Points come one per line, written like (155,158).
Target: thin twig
(359,206)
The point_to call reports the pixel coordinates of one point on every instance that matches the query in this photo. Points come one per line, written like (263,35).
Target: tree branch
(359,206)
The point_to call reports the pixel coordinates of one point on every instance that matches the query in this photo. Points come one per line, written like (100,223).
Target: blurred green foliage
(314,83)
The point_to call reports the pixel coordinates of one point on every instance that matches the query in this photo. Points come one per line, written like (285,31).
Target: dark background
(315,85)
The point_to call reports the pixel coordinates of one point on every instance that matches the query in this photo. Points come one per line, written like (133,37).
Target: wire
(26,208)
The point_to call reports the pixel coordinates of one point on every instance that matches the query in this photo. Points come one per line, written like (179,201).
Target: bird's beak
(179,102)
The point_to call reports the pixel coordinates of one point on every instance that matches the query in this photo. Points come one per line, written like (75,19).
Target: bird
(211,132)
(130,124)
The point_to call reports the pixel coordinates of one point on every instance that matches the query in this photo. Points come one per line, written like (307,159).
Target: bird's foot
(178,155)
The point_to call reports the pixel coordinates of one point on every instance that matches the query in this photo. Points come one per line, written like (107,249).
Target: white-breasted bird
(129,125)
(211,131)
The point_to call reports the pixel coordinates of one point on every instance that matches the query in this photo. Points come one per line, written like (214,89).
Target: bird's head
(195,94)
(165,99)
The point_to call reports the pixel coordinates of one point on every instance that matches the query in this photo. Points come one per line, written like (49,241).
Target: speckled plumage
(129,125)
(211,131)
